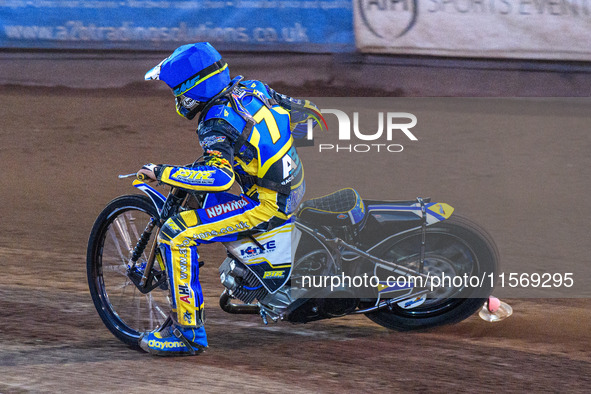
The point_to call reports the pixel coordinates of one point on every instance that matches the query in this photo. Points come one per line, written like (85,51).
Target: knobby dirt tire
(467,236)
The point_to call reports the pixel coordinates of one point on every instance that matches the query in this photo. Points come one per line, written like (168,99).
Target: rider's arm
(216,174)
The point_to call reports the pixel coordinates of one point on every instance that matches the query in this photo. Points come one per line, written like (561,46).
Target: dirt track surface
(61,151)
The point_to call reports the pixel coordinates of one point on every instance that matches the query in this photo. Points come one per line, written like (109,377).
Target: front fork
(148,280)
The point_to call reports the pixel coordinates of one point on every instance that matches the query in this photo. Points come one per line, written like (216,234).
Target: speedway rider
(244,130)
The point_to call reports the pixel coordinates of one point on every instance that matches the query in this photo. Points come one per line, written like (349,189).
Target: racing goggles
(187,107)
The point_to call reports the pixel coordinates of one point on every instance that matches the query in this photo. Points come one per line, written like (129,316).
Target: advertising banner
(298,25)
(529,29)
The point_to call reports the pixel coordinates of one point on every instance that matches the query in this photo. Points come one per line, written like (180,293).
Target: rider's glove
(147,173)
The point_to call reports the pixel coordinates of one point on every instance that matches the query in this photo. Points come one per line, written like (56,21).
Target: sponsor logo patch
(188,318)
(194,176)
(184,293)
(221,209)
(165,345)
(252,251)
(222,231)
(212,140)
(274,274)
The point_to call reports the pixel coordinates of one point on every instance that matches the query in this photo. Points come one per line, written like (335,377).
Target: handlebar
(140,177)
(127,175)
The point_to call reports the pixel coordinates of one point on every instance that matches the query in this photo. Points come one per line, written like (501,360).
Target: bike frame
(334,246)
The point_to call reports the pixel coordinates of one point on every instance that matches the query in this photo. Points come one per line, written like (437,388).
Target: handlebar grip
(141,177)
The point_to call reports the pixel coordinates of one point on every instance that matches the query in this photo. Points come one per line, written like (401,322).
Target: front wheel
(123,308)
(455,247)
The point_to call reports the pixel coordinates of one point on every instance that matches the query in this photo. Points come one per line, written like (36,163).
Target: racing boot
(174,340)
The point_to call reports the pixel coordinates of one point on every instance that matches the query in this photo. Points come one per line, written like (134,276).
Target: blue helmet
(195,73)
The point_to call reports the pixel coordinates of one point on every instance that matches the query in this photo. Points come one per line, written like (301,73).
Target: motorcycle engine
(240,281)
(245,286)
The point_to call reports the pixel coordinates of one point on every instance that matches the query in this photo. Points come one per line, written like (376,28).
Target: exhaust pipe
(242,309)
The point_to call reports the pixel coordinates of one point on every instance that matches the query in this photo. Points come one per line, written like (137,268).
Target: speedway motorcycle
(298,272)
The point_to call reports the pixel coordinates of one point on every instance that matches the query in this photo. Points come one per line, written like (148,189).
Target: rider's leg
(178,240)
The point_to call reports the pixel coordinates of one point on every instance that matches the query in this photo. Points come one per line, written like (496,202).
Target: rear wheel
(455,247)
(123,308)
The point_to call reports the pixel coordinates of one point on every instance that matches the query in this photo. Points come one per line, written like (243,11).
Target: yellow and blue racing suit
(246,137)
